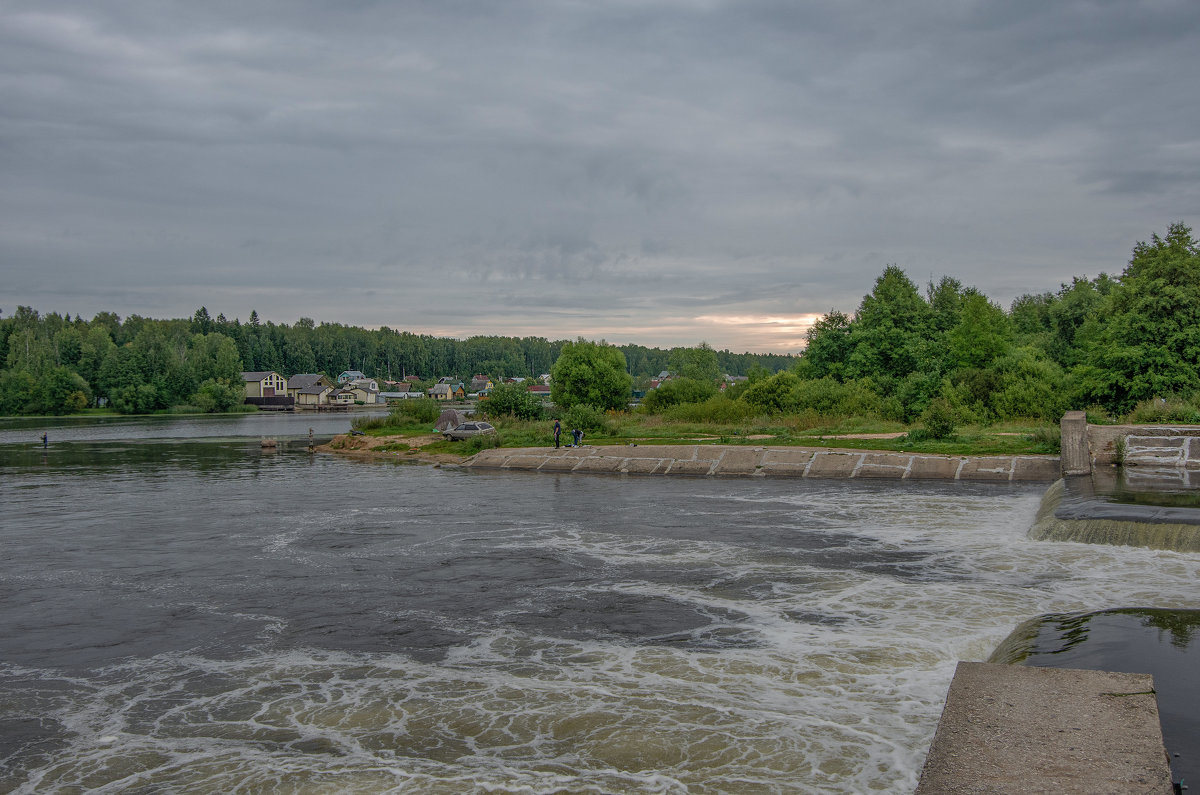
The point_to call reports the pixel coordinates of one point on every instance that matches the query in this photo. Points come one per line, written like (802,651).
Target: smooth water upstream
(186,615)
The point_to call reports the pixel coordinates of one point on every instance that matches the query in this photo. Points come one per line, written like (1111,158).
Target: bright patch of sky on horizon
(659,172)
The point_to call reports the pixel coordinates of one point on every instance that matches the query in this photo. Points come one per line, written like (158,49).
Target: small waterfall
(1102,509)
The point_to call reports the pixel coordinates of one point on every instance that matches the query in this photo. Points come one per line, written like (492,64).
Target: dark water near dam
(184,612)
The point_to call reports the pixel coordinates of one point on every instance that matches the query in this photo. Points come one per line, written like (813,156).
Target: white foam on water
(821,679)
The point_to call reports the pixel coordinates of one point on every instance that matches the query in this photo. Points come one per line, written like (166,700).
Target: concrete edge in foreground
(1017,729)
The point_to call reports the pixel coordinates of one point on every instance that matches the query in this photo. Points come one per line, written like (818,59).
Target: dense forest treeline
(56,364)
(1105,343)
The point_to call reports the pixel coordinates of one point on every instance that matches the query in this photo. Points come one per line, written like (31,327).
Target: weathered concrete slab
(679,452)
(560,463)
(1076,458)
(987,468)
(600,464)
(524,461)
(1040,469)
(1015,729)
(783,470)
(736,461)
(701,467)
(490,458)
(884,465)
(784,456)
(834,465)
(1156,451)
(936,467)
(644,466)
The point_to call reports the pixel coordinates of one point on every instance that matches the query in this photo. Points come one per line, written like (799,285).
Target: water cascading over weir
(1132,485)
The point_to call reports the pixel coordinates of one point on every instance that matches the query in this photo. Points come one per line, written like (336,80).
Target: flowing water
(181,611)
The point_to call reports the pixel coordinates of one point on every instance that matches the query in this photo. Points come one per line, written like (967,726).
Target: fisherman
(557,433)
(45,440)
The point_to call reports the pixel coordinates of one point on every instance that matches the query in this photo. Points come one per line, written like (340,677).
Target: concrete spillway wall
(1088,447)
(787,462)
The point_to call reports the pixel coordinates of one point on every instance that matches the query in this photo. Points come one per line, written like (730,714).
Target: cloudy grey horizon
(657,172)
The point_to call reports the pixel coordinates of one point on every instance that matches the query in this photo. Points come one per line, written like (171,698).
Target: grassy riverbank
(400,434)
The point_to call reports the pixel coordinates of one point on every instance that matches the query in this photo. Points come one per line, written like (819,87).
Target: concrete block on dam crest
(884,465)
(834,465)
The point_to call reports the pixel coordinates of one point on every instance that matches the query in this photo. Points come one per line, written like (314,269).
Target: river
(182,611)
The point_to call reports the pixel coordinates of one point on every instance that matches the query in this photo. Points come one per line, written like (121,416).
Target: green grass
(1020,437)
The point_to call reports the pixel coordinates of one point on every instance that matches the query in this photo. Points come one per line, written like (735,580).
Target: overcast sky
(651,171)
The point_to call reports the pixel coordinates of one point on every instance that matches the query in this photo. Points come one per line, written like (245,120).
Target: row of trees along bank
(56,364)
(952,355)
(1103,343)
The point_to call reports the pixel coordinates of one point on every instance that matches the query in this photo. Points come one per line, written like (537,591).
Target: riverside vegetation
(944,371)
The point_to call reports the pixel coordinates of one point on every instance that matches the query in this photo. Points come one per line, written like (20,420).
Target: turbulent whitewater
(188,615)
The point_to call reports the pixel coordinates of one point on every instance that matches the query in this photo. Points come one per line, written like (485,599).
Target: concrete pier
(1015,729)
(779,462)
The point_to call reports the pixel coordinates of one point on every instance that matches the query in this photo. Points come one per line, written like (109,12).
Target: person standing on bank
(557,433)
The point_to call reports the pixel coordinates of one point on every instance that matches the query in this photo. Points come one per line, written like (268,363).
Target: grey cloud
(645,160)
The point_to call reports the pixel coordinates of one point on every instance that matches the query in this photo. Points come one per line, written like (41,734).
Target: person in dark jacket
(557,433)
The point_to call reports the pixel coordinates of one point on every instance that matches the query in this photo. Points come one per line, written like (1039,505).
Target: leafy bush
(718,409)
(512,400)
(829,397)
(588,419)
(675,392)
(419,410)
(217,396)
(1160,410)
(939,419)
(774,394)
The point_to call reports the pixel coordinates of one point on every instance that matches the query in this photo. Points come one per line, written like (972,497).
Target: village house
(315,395)
(302,381)
(265,384)
(341,397)
(366,390)
(399,391)
(480,383)
(350,375)
(441,392)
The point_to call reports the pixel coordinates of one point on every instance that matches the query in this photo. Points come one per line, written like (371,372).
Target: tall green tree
(889,328)
(698,364)
(1147,343)
(829,347)
(591,374)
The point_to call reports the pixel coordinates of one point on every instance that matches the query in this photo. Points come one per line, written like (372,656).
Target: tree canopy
(590,374)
